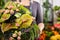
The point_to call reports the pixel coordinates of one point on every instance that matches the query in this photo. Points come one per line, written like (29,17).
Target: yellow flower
(25,21)
(10,5)
(7,26)
(56,37)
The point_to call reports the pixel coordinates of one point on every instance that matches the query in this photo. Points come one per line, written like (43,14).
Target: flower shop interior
(29,19)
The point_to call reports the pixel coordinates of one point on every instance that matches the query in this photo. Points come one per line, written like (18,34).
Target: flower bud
(6,11)
(14,35)
(19,33)
(17,9)
(10,7)
(17,24)
(11,38)
(18,38)
(11,12)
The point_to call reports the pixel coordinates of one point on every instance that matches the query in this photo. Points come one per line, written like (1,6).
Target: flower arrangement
(51,33)
(16,22)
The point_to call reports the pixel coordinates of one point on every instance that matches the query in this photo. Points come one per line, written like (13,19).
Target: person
(36,12)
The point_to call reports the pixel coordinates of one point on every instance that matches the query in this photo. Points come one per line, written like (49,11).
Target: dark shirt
(36,12)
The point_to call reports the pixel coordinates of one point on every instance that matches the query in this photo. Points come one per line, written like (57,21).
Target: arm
(40,18)
(39,14)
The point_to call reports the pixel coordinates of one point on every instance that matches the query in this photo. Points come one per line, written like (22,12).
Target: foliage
(56,8)
(46,5)
(2,3)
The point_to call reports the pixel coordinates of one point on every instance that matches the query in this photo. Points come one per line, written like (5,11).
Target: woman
(36,12)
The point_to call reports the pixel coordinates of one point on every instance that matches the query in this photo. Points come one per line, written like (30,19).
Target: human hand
(41,27)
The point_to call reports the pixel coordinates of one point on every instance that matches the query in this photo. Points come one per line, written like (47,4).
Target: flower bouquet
(16,22)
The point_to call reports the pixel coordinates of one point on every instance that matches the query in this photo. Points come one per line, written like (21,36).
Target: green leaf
(1,34)
(17,15)
(24,10)
(58,18)
(32,35)
(36,30)
(2,3)
(56,8)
